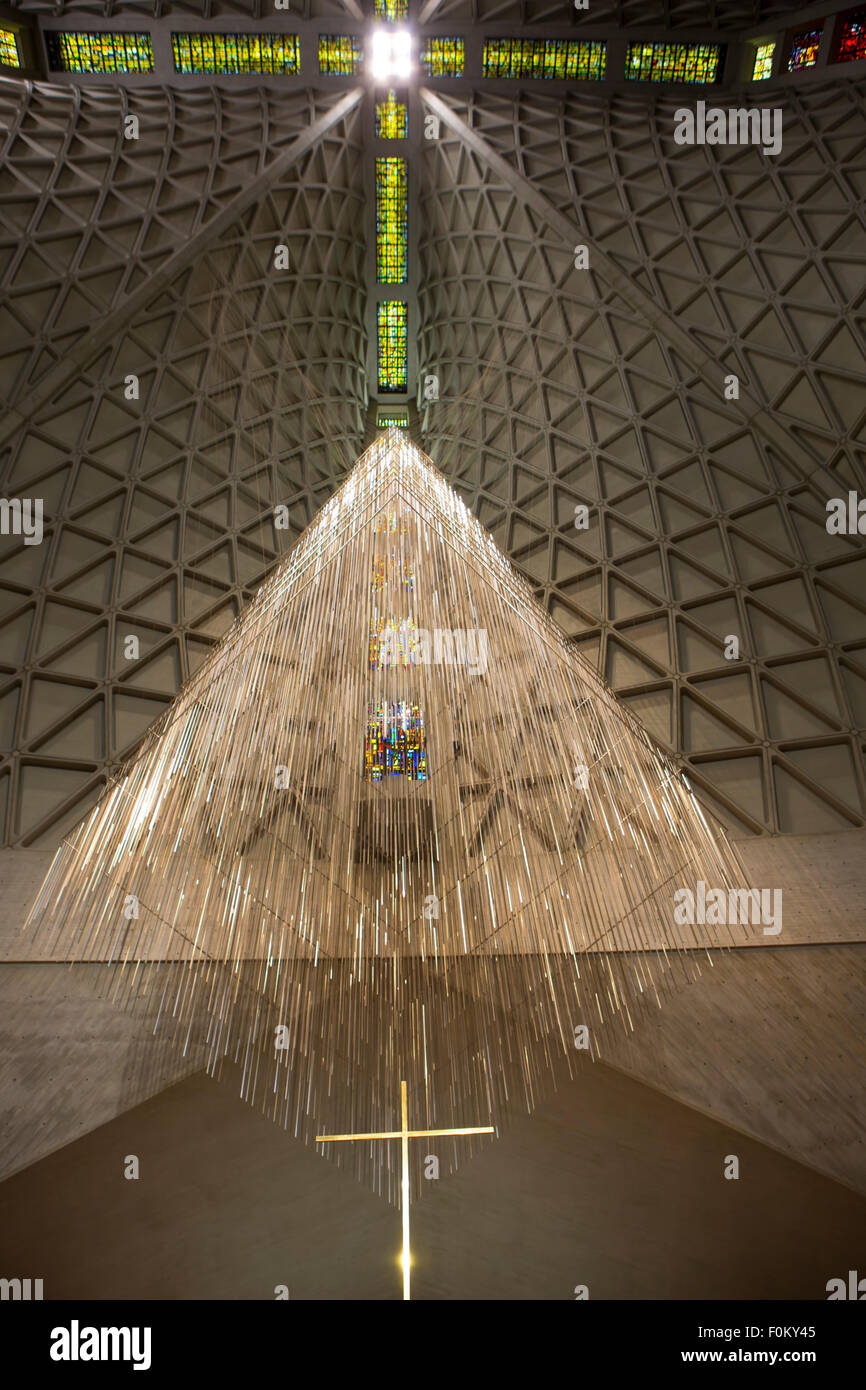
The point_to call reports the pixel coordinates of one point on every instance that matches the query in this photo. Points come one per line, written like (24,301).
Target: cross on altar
(404,1134)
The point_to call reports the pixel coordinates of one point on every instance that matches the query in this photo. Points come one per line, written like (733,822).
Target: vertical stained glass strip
(673,62)
(385,524)
(396,742)
(230,54)
(99,52)
(804,49)
(393,644)
(9,49)
(340,55)
(545,58)
(390,570)
(392,118)
(391,342)
(392,11)
(442,57)
(852,41)
(763,66)
(392,219)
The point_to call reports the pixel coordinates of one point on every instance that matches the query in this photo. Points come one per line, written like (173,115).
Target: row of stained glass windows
(9,49)
(392,118)
(851,46)
(806,42)
(236,53)
(673,62)
(386,418)
(392,214)
(340,55)
(391,344)
(99,52)
(442,57)
(552,58)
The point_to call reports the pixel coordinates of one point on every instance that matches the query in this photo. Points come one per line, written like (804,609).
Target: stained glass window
(392,10)
(340,55)
(559,58)
(442,57)
(392,214)
(673,62)
(852,42)
(99,52)
(9,49)
(763,61)
(382,567)
(396,741)
(391,325)
(226,54)
(393,643)
(391,570)
(392,118)
(804,49)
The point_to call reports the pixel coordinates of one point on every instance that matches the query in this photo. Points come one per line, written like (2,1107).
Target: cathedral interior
(546,321)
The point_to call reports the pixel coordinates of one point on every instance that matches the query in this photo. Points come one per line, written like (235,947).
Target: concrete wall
(767,1040)
(609,1184)
(822,877)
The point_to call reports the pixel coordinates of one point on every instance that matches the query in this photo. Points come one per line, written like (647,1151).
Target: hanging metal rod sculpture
(394,827)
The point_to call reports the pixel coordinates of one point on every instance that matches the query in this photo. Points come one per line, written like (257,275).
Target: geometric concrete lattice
(672,13)
(706,517)
(159,511)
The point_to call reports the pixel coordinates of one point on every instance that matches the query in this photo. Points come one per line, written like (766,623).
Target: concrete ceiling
(675,13)
(252,392)
(699,14)
(707,516)
(558,388)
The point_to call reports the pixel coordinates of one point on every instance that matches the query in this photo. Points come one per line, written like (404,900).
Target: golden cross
(404,1134)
